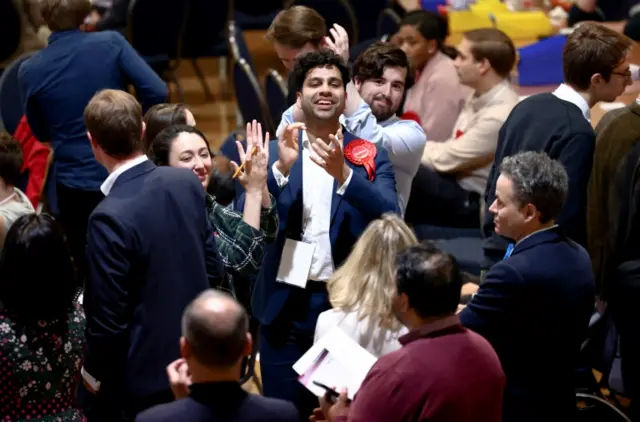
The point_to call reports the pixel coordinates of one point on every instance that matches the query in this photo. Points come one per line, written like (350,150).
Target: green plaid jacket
(241,246)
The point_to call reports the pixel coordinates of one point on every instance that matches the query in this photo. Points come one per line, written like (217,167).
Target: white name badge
(295,263)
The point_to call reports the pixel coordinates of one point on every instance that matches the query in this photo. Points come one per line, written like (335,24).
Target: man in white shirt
(374,96)
(452,178)
(150,251)
(327,188)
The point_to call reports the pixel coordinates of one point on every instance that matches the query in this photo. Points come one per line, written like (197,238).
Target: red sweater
(443,373)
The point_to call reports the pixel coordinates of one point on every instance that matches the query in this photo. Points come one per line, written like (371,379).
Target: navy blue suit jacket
(224,402)
(534,308)
(57,83)
(150,251)
(362,202)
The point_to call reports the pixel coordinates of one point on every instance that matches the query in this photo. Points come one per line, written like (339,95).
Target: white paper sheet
(295,263)
(337,361)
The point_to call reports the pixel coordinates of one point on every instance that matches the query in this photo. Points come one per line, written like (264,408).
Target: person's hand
(340,42)
(90,22)
(331,158)
(255,159)
(469,289)
(179,378)
(288,148)
(317,416)
(88,387)
(332,409)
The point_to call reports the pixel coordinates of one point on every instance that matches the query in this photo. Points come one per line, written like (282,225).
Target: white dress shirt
(566,93)
(317,188)
(111,179)
(404,140)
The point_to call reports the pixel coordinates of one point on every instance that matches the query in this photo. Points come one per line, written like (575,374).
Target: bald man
(214,340)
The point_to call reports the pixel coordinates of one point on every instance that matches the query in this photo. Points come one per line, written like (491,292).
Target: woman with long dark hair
(41,327)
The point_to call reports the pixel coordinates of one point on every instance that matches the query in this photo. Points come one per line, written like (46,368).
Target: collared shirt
(111,179)
(317,194)
(404,140)
(566,93)
(536,232)
(437,97)
(241,246)
(470,150)
(422,380)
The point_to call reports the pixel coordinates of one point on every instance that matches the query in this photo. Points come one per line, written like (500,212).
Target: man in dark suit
(150,251)
(535,305)
(596,68)
(327,190)
(215,339)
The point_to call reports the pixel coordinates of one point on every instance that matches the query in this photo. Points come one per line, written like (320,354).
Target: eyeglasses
(626,74)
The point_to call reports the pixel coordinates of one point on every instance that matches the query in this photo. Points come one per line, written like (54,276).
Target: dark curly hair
(372,62)
(320,58)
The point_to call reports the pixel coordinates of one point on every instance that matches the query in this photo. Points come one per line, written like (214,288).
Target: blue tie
(509,251)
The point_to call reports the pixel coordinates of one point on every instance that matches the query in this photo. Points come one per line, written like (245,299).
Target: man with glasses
(596,68)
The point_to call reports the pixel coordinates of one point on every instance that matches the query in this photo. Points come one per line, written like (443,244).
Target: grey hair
(539,180)
(215,342)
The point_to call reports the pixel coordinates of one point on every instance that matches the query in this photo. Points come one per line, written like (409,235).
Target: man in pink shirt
(437,96)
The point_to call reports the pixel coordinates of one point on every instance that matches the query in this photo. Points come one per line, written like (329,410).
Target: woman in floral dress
(41,328)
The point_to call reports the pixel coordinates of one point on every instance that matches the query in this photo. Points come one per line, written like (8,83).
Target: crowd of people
(135,301)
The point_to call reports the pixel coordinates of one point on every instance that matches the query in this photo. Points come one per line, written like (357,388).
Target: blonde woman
(361,291)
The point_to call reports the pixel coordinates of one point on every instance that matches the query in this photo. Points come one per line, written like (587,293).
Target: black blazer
(534,308)
(150,251)
(221,401)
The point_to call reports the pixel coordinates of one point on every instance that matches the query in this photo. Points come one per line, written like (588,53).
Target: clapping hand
(340,42)
(331,157)
(288,148)
(255,159)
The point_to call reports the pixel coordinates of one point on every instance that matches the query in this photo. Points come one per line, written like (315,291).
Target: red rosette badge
(362,153)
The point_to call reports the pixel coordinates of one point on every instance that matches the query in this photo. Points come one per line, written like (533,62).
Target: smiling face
(190,151)
(323,94)
(384,94)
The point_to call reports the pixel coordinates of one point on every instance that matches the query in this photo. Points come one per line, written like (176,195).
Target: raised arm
(150,89)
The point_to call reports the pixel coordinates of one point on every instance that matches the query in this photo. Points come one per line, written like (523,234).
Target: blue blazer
(223,402)
(534,308)
(362,202)
(150,251)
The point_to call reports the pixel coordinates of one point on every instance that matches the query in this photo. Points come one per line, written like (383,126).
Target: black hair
(37,275)
(161,146)
(320,58)
(431,280)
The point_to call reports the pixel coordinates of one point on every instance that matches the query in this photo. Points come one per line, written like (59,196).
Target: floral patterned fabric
(40,368)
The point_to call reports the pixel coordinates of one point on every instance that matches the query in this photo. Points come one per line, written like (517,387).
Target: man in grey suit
(214,340)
